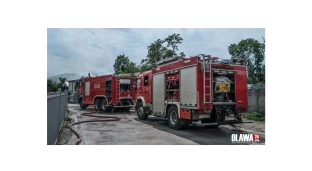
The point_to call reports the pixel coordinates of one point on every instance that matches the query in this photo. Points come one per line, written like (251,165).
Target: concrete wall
(256,99)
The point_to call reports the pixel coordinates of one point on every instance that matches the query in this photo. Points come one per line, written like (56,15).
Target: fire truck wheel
(141,112)
(97,104)
(82,105)
(173,118)
(104,109)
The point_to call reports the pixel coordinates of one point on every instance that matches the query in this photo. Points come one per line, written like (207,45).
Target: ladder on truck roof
(206,81)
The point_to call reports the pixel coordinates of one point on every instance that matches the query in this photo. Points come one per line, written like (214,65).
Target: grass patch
(68,119)
(255,116)
(65,125)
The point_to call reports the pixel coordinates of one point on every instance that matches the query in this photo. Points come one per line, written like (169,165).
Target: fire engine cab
(106,92)
(198,88)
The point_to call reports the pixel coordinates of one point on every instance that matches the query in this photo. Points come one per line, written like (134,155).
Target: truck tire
(82,105)
(173,118)
(141,112)
(105,109)
(97,105)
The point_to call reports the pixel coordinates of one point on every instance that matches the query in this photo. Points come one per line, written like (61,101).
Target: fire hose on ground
(91,114)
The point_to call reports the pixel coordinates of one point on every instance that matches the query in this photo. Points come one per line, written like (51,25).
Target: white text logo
(96,86)
(239,72)
(241,138)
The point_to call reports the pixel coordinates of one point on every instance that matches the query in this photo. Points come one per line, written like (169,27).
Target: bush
(255,116)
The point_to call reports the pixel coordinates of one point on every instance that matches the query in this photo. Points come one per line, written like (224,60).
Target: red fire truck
(198,88)
(106,92)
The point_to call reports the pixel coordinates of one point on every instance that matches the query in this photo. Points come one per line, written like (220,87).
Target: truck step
(124,106)
(210,124)
(158,116)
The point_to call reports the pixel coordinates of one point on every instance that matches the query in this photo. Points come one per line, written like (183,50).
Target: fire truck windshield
(80,83)
(125,84)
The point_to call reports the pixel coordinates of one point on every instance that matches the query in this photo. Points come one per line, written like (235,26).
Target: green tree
(263,73)
(182,54)
(53,86)
(132,68)
(62,80)
(173,41)
(61,83)
(155,52)
(253,52)
(264,65)
(242,50)
(121,64)
(50,85)
(145,66)
(263,39)
(259,56)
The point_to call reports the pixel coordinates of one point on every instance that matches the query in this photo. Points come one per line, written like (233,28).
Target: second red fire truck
(106,92)
(199,88)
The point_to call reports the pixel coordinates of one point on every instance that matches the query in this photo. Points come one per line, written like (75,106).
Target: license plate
(203,116)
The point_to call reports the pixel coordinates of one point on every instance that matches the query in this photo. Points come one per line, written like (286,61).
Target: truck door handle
(239,101)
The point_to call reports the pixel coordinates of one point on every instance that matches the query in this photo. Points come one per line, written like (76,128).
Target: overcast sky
(81,51)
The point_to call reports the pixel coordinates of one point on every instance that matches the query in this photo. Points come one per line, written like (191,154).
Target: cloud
(82,51)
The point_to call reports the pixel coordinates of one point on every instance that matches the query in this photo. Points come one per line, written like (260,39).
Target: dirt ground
(132,131)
